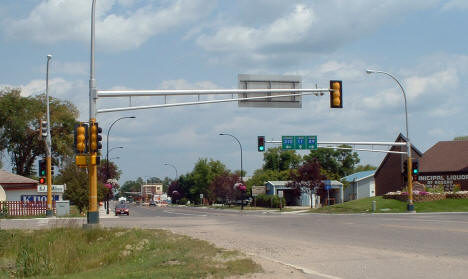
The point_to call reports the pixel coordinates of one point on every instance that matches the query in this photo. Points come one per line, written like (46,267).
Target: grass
(393,206)
(114,253)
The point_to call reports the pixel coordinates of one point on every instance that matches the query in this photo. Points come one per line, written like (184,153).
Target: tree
(334,163)
(112,173)
(221,189)
(461,138)
(367,167)
(76,180)
(20,129)
(261,176)
(280,160)
(307,179)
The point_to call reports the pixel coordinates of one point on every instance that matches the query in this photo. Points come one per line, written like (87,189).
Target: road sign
(299,142)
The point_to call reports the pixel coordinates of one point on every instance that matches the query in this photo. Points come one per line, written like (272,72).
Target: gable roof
(445,156)
(10,178)
(358,176)
(400,138)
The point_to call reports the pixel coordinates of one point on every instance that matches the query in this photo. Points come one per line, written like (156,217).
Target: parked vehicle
(121,208)
(152,203)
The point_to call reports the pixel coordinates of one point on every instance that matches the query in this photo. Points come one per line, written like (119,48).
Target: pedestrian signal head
(336,94)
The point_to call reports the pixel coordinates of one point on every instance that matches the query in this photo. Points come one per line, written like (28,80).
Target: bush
(182,201)
(269,201)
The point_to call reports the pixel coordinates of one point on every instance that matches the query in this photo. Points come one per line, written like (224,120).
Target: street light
(241,174)
(167,164)
(49,211)
(107,156)
(410,206)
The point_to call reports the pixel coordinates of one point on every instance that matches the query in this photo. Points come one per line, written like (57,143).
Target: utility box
(62,208)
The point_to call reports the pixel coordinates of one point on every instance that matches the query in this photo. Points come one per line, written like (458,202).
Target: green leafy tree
(20,125)
(366,167)
(280,160)
(461,138)
(261,176)
(76,180)
(203,175)
(334,163)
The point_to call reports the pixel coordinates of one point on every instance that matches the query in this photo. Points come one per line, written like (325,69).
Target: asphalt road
(326,246)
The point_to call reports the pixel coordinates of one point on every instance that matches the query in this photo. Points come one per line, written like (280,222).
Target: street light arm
(240,145)
(167,164)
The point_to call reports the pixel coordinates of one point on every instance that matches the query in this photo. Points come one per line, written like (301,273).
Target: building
(389,175)
(333,192)
(149,190)
(20,188)
(445,164)
(361,185)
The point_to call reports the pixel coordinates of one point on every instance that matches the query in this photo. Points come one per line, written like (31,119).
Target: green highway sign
(298,142)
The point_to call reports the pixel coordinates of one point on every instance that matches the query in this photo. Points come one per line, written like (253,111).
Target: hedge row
(269,201)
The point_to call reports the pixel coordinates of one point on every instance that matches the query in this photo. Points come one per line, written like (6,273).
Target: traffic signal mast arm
(354,143)
(164,93)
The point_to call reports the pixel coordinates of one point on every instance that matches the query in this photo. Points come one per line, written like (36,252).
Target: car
(121,208)
(152,203)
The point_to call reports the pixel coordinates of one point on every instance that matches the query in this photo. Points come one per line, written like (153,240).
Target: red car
(122,209)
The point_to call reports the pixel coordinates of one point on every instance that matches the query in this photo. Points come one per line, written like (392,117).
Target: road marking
(300,268)
(186,214)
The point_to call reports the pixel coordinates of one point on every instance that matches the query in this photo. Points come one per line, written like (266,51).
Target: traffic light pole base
(410,208)
(49,213)
(93,217)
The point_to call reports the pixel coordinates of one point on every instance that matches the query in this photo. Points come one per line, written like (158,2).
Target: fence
(24,208)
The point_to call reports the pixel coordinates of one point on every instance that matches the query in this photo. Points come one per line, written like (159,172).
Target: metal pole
(241,174)
(49,210)
(93,213)
(107,157)
(410,205)
(167,164)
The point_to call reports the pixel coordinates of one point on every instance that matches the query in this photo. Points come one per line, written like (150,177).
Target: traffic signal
(95,137)
(405,167)
(415,165)
(42,180)
(336,94)
(42,168)
(261,143)
(81,138)
(44,128)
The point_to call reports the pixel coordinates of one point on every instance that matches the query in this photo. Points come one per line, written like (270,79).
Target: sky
(205,44)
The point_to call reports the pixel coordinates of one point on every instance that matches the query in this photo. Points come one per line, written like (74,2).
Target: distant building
(361,185)
(389,175)
(20,188)
(334,194)
(149,190)
(445,164)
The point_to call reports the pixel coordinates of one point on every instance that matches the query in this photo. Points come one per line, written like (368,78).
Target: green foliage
(433,189)
(335,164)
(261,176)
(280,160)
(367,167)
(269,201)
(461,138)
(20,119)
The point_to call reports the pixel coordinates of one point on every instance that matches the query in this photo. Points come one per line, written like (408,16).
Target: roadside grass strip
(394,206)
(114,253)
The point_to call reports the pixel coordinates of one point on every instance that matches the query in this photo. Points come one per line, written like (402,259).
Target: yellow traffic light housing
(336,94)
(81,138)
(95,137)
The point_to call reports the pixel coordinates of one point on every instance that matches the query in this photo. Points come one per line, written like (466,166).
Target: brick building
(389,175)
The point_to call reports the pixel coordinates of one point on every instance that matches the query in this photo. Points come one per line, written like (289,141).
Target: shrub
(269,201)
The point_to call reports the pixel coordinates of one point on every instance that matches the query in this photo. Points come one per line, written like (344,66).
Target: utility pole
(49,210)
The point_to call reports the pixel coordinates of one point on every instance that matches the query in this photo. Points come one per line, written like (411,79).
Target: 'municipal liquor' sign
(448,181)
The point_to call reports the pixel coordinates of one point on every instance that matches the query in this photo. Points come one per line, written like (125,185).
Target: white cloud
(456,5)
(441,82)
(55,21)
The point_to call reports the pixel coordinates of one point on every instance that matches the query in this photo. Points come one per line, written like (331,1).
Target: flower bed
(458,195)
(418,196)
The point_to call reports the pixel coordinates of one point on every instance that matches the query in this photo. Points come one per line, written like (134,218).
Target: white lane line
(302,269)
(186,214)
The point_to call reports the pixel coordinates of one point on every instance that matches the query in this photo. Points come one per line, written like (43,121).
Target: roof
(446,156)
(400,138)
(10,178)
(358,176)
(279,183)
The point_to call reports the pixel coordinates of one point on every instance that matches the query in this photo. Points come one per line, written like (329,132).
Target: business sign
(270,82)
(299,142)
(258,190)
(448,181)
(37,198)
(55,188)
